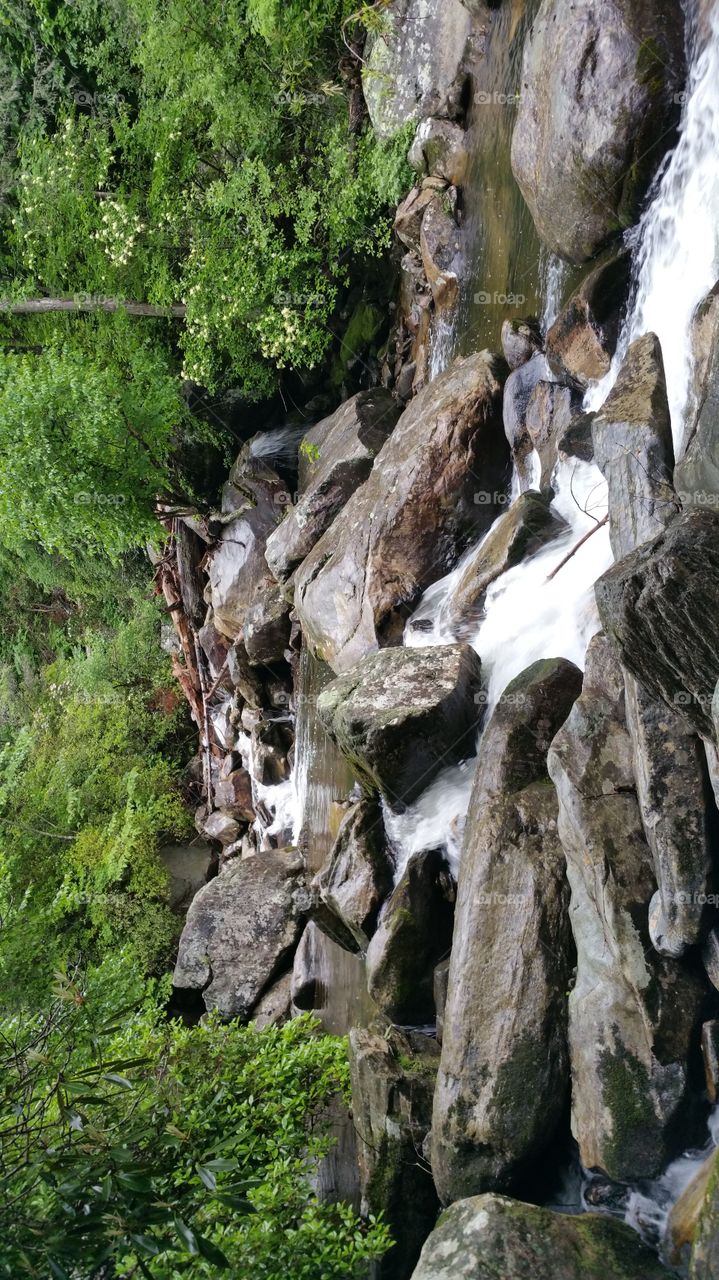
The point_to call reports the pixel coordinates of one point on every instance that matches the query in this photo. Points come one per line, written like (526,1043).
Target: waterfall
(676,245)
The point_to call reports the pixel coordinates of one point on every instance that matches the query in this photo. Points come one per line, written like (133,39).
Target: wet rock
(392,1083)
(577,441)
(413,934)
(220,825)
(504,1072)
(415,66)
(307,987)
(410,520)
(215,647)
(337,456)
(403,714)
(595,116)
(684,1218)
(660,606)
(550,411)
(517,394)
(233,795)
(633,1016)
(697,473)
(710,956)
(521,339)
(275,1006)
(523,529)
(440,984)
(704,1263)
(409,215)
(359,874)
(583,338)
(633,448)
(271,742)
(253,504)
(440,150)
(246,679)
(266,632)
(240,932)
(491,1236)
(439,246)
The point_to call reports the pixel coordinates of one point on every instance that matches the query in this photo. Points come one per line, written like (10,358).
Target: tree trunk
(41,306)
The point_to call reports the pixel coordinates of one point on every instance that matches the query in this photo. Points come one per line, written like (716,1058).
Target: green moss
(626,1091)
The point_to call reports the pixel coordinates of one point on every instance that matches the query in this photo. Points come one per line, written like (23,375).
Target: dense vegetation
(204,161)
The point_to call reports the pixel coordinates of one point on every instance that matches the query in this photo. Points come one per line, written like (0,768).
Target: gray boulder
(337,456)
(521,339)
(491,1237)
(266,631)
(439,150)
(697,473)
(415,66)
(414,933)
(518,391)
(359,873)
(240,933)
(583,338)
(595,116)
(411,519)
(403,714)
(633,1016)
(660,607)
(392,1082)
(504,1072)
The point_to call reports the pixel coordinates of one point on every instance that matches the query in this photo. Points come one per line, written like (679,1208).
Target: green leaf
(187,1236)
(211,1252)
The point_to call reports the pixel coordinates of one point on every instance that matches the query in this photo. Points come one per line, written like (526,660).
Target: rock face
(413,934)
(252,506)
(521,339)
(697,474)
(414,68)
(633,1016)
(392,1083)
(439,245)
(359,873)
(660,606)
(526,527)
(583,338)
(410,520)
(240,932)
(518,391)
(403,714)
(633,448)
(440,150)
(705,1254)
(597,101)
(504,1071)
(491,1237)
(338,455)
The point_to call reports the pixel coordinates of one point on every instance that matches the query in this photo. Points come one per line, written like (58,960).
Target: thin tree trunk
(41,306)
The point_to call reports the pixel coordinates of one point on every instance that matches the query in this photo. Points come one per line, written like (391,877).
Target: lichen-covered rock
(392,1083)
(240,932)
(415,66)
(504,1071)
(439,150)
(359,872)
(491,1237)
(403,714)
(634,1017)
(583,338)
(336,456)
(597,104)
(525,527)
(413,516)
(413,934)
(660,607)
(633,448)
(275,1006)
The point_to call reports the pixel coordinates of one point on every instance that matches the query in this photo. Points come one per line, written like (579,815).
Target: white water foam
(677,240)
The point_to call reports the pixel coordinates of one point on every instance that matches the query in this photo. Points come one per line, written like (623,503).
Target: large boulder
(660,606)
(392,1082)
(583,338)
(504,1074)
(253,502)
(415,66)
(697,473)
(439,245)
(336,456)
(403,714)
(597,104)
(491,1237)
(414,933)
(634,1017)
(359,873)
(411,519)
(523,529)
(240,933)
(633,448)
(518,391)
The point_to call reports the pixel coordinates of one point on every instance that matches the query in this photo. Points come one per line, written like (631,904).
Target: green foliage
(89,789)
(146,1147)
